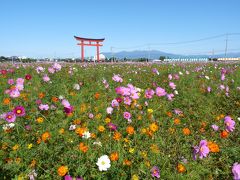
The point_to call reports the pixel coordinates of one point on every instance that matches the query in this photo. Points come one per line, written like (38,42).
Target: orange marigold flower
(127,162)
(62,170)
(213,147)
(41,95)
(6,101)
(61,131)
(39,140)
(203,124)
(80,130)
(130,130)
(222,116)
(46,136)
(114,156)
(169,114)
(54,99)
(224,134)
(83,147)
(186,131)
(177,121)
(33,163)
(181,168)
(93,136)
(153,127)
(15,147)
(77,121)
(117,136)
(97,95)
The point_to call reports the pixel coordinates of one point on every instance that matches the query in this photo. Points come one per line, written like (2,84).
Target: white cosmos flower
(72,127)
(97,143)
(103,163)
(207,77)
(238,118)
(86,135)
(76,86)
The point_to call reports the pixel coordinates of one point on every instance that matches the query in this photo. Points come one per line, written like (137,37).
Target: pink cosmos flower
(209,89)
(14,93)
(170,96)
(170,77)
(109,110)
(11,81)
(155,71)
(10,117)
(160,91)
(91,116)
(51,70)
(46,78)
(43,107)
(20,87)
(222,77)
(127,100)
(115,103)
(229,124)
(117,78)
(202,150)
(215,127)
(20,81)
(65,103)
(149,93)
(172,85)
(155,172)
(57,66)
(127,115)
(236,171)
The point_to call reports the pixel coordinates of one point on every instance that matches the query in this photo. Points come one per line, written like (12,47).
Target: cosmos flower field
(120,121)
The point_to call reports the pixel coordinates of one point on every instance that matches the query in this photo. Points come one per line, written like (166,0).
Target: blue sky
(45,28)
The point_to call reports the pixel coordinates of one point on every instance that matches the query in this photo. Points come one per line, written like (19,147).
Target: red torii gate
(89,42)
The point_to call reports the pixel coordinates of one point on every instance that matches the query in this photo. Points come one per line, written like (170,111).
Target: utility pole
(226,47)
(112,53)
(148,52)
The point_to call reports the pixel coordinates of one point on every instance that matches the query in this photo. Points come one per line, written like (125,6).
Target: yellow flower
(153,127)
(15,147)
(150,111)
(154,148)
(144,154)
(134,177)
(40,120)
(101,128)
(107,120)
(131,150)
(29,146)
(98,116)
(61,131)
(143,130)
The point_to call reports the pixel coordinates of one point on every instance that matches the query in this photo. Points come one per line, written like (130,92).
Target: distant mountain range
(154,54)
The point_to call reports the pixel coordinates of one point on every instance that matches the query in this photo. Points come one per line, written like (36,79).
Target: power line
(180,42)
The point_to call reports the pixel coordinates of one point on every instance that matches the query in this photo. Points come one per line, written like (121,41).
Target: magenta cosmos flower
(160,91)
(19,111)
(236,171)
(127,115)
(155,172)
(112,126)
(10,117)
(229,123)
(68,177)
(202,150)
